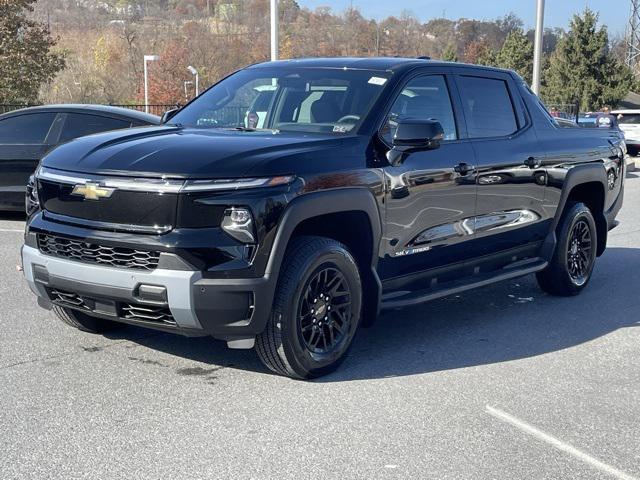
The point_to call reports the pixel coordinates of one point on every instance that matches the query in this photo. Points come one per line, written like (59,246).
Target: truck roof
(363,63)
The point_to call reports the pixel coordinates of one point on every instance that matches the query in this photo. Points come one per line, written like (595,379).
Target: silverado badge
(92,191)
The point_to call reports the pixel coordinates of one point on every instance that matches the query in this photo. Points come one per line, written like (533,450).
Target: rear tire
(85,322)
(570,268)
(316,310)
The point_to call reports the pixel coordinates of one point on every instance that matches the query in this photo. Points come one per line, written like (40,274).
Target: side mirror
(414,134)
(168,115)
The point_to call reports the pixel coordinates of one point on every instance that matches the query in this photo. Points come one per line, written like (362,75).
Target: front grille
(125,310)
(154,212)
(94,253)
(147,313)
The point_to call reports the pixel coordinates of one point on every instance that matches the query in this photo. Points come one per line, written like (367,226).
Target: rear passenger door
(24,139)
(510,177)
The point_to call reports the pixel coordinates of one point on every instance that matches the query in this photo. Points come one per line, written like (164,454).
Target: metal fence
(4,108)
(156,109)
(569,111)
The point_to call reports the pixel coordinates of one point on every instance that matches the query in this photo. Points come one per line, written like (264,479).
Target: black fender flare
(578,175)
(310,205)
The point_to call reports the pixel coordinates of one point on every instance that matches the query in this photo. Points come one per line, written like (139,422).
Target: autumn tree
(27,61)
(480,53)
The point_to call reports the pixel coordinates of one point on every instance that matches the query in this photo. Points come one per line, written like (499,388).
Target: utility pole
(147,58)
(633,36)
(274,30)
(537,48)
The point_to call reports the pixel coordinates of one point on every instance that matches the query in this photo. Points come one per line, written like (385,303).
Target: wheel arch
(585,183)
(340,214)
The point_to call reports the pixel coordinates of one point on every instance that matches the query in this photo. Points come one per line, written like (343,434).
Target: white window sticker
(377,80)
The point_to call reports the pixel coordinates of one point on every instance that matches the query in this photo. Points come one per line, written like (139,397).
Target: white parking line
(11,230)
(559,444)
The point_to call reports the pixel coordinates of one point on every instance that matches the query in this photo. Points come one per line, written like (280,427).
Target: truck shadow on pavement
(503,322)
(13,216)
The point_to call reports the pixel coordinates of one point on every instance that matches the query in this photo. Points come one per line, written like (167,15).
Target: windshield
(320,100)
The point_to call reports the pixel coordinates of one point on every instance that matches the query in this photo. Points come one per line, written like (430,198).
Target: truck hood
(176,152)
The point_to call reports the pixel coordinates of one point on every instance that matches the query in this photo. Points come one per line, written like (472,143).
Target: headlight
(32,202)
(238,222)
(234,184)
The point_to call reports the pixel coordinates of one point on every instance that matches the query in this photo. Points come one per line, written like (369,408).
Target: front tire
(316,310)
(572,263)
(83,321)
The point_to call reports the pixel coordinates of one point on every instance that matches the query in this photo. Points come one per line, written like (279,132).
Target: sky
(613,13)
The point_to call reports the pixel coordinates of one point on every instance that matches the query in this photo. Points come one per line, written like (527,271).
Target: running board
(405,299)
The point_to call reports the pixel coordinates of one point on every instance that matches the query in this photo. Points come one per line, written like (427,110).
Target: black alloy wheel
(316,309)
(325,310)
(579,252)
(571,265)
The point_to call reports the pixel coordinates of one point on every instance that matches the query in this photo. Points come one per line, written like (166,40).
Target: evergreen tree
(583,69)
(26,60)
(449,54)
(487,56)
(516,54)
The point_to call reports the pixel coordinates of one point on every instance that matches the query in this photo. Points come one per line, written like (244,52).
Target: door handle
(533,162)
(464,168)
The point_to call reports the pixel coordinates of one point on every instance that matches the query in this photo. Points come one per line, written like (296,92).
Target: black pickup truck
(292,201)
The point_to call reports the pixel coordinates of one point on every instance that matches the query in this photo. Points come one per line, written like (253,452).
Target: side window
(29,129)
(423,97)
(487,107)
(80,124)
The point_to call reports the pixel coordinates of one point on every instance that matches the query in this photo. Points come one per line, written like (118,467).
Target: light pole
(537,48)
(194,72)
(147,58)
(274,30)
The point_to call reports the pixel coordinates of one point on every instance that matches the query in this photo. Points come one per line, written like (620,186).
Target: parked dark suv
(26,135)
(372,183)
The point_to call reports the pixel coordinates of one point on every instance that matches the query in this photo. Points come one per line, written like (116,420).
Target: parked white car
(629,123)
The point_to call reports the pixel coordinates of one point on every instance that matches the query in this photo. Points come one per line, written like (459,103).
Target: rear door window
(28,129)
(487,107)
(80,124)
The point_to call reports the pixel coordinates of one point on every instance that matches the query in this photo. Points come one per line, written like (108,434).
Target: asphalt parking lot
(502,382)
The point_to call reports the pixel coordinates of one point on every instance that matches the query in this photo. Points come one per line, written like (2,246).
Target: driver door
(430,200)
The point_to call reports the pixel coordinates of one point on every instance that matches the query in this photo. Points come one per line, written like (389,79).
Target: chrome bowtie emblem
(92,191)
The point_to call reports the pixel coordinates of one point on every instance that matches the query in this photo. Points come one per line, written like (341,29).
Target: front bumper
(228,309)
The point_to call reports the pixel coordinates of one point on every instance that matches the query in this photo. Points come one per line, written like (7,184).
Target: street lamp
(186,92)
(194,72)
(147,58)
(537,48)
